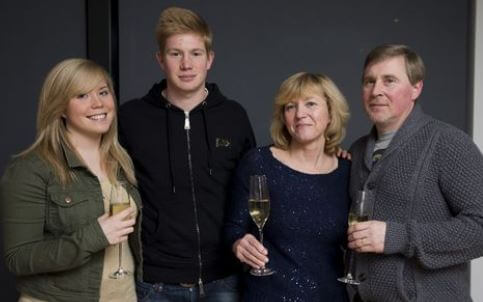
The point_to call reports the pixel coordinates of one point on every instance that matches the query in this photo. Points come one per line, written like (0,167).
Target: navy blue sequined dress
(304,233)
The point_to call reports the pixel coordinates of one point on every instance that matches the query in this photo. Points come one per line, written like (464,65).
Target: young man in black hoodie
(185,139)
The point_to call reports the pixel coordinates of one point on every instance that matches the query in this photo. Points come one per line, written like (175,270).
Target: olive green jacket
(53,242)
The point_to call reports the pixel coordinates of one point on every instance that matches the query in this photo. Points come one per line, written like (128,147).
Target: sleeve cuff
(94,238)
(396,239)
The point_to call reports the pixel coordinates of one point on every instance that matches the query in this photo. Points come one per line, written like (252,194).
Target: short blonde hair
(65,81)
(176,20)
(301,85)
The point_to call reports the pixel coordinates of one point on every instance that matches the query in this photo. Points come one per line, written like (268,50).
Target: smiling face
(306,119)
(90,115)
(387,93)
(185,62)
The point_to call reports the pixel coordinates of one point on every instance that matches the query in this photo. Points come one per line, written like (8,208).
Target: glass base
(259,272)
(119,274)
(349,280)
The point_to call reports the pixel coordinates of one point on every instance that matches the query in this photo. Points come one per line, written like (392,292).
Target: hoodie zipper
(187,128)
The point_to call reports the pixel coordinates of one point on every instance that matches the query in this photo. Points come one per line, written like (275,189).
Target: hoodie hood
(156,98)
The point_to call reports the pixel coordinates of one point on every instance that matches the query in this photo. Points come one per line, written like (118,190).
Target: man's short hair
(414,64)
(176,20)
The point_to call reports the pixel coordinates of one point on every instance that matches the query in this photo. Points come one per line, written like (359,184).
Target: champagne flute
(119,201)
(359,212)
(259,208)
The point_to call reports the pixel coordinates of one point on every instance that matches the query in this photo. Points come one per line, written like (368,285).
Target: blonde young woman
(308,197)
(60,240)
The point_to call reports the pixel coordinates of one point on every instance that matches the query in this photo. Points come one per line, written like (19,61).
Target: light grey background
(477,265)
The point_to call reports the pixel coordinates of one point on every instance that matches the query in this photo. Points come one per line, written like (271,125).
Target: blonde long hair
(66,80)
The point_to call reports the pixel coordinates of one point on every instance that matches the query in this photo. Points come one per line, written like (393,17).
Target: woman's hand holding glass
(250,251)
(117,227)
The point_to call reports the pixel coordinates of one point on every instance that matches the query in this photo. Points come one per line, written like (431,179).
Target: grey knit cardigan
(428,188)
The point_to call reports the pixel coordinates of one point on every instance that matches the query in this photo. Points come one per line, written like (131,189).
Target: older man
(425,180)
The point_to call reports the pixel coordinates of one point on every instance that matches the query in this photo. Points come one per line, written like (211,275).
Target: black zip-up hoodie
(184,178)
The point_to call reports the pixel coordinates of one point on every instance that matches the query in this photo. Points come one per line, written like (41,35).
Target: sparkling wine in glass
(360,211)
(119,201)
(259,209)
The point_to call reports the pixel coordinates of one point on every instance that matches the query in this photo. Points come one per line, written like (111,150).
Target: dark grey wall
(260,43)
(257,45)
(34,36)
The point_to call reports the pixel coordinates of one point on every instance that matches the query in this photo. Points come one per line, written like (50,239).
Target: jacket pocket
(68,211)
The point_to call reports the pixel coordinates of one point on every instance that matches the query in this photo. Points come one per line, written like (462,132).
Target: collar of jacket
(415,120)
(71,158)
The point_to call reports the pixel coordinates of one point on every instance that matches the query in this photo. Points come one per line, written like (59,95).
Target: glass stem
(261,241)
(350,267)
(120,254)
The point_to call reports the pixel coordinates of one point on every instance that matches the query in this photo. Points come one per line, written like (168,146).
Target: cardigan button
(68,199)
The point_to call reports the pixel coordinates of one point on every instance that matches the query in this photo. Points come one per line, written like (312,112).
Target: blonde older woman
(60,241)
(308,194)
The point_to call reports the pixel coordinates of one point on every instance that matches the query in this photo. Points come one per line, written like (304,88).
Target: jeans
(221,290)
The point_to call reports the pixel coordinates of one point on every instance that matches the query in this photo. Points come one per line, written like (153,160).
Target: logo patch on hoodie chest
(221,142)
